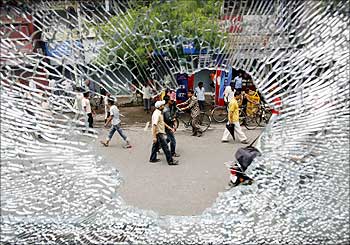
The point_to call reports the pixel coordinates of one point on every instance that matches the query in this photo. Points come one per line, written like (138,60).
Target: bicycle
(264,115)
(250,122)
(219,114)
(204,120)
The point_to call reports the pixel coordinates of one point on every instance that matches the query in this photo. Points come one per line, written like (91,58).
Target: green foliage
(134,34)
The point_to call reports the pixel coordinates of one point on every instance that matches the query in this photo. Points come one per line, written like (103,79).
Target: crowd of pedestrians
(164,116)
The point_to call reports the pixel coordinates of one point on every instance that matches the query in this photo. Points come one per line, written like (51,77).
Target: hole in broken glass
(201,173)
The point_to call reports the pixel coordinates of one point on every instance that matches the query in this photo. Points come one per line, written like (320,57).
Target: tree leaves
(141,27)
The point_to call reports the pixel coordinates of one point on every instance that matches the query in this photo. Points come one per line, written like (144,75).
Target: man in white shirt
(115,119)
(87,109)
(147,94)
(105,102)
(199,92)
(158,133)
(78,99)
(229,92)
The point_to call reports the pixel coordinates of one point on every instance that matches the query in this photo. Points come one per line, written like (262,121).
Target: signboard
(189,48)
(181,92)
(65,49)
(226,78)
(231,24)
(58,34)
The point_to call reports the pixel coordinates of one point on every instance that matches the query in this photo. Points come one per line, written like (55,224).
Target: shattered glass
(55,189)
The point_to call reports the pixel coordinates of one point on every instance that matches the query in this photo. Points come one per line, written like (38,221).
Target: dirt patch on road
(134,115)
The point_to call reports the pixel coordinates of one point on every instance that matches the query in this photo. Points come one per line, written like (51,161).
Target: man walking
(233,126)
(107,97)
(192,103)
(147,94)
(169,113)
(158,133)
(87,109)
(200,95)
(115,119)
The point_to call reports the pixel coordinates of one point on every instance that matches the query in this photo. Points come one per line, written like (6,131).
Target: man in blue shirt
(238,82)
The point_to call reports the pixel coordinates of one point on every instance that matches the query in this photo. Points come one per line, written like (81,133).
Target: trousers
(161,142)
(201,104)
(119,130)
(171,138)
(90,120)
(147,104)
(238,132)
(195,124)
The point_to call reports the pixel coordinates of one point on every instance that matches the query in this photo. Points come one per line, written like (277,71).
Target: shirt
(158,121)
(105,100)
(168,114)
(78,101)
(194,106)
(238,82)
(233,111)
(200,93)
(146,92)
(228,94)
(86,105)
(114,111)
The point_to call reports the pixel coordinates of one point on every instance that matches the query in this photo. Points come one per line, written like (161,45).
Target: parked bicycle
(260,118)
(219,114)
(264,115)
(249,121)
(204,120)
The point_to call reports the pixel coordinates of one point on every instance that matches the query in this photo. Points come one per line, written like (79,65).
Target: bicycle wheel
(251,122)
(265,117)
(219,114)
(204,121)
(242,117)
(187,124)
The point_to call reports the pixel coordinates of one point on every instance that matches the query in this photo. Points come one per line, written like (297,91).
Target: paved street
(186,189)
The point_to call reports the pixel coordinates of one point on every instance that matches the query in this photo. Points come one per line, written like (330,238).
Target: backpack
(246,155)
